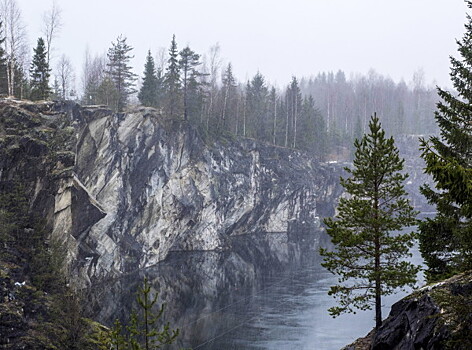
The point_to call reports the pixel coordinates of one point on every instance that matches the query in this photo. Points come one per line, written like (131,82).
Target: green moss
(455,300)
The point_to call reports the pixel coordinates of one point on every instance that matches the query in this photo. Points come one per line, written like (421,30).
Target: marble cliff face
(123,190)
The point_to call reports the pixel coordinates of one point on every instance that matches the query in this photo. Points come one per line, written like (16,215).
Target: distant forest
(321,114)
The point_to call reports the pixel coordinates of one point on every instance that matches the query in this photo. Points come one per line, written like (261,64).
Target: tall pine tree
(148,94)
(369,256)
(172,82)
(120,72)
(189,61)
(40,73)
(446,240)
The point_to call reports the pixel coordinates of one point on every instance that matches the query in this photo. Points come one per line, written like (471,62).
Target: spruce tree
(446,239)
(229,84)
(172,81)
(368,255)
(258,121)
(148,94)
(120,72)
(40,73)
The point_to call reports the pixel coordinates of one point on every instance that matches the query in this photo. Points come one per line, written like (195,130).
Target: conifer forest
(235,175)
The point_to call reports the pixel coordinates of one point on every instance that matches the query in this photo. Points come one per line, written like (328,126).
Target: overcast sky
(278,38)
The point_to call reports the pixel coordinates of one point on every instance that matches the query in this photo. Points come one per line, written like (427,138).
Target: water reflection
(267,293)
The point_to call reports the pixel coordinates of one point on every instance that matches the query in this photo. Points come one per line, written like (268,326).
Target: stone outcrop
(165,188)
(437,316)
(123,190)
(37,151)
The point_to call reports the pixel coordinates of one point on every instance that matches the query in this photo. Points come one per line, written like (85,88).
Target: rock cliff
(165,189)
(434,317)
(123,190)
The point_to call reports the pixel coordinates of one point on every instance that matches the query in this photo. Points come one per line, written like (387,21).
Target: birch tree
(15,40)
(52,24)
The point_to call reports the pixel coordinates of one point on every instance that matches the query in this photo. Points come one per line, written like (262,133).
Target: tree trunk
(377,244)
(275,121)
(185,95)
(378,287)
(225,102)
(286,122)
(295,119)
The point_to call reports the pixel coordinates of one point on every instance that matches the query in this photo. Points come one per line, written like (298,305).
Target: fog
(277,38)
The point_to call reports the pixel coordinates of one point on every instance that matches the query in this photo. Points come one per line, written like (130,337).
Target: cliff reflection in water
(215,294)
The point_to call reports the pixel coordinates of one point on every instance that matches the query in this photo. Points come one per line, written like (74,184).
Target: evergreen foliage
(321,115)
(446,239)
(119,72)
(107,93)
(54,318)
(143,331)
(257,93)
(148,94)
(368,252)
(229,85)
(189,61)
(172,82)
(40,73)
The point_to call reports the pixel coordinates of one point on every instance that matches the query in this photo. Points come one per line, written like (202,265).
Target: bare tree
(215,63)
(93,75)
(161,59)
(15,40)
(65,76)
(52,24)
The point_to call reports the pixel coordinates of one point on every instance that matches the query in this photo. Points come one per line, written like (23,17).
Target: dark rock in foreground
(438,316)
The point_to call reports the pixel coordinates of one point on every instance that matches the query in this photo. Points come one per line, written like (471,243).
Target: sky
(278,38)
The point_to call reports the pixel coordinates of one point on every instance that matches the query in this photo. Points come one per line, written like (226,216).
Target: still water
(220,301)
(288,312)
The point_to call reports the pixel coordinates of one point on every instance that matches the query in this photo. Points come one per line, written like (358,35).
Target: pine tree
(143,330)
(172,81)
(148,94)
(120,72)
(446,240)
(368,254)
(189,61)
(39,73)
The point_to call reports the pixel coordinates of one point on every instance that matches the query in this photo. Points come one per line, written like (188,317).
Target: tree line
(322,114)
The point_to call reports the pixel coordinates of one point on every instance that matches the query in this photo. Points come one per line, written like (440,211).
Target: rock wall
(123,190)
(165,189)
(37,152)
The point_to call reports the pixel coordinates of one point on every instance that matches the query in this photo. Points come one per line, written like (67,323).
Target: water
(221,302)
(290,312)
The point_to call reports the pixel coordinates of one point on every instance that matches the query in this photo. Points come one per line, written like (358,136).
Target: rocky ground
(437,316)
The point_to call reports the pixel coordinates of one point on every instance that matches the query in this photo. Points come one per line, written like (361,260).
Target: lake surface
(216,306)
(288,312)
